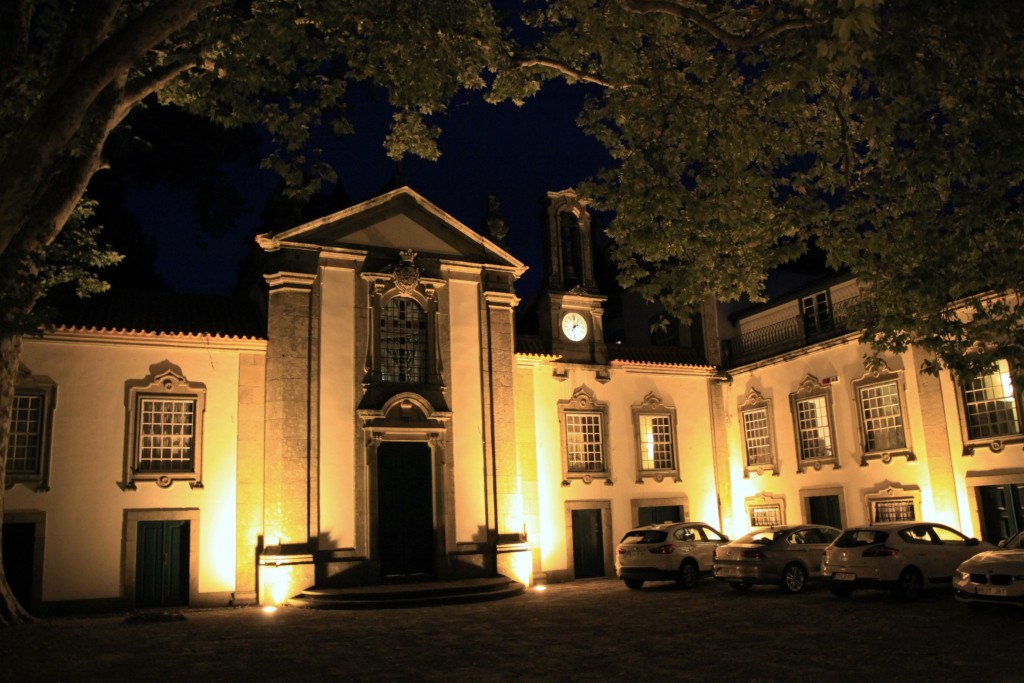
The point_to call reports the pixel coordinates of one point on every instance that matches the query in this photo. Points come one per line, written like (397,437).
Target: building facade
(386,417)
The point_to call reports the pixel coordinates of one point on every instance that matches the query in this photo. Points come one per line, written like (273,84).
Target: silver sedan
(787,556)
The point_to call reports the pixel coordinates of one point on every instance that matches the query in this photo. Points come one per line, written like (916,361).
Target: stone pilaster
(500,335)
(936,438)
(287,459)
(249,473)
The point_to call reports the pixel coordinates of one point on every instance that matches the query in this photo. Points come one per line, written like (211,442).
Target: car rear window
(852,538)
(763,536)
(645,536)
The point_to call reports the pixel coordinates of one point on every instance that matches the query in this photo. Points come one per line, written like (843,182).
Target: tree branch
(730,40)
(15,20)
(47,135)
(568,71)
(88,27)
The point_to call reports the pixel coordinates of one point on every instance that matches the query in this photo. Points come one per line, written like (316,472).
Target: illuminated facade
(389,419)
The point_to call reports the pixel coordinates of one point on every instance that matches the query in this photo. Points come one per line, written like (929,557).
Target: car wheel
(910,585)
(840,590)
(739,586)
(794,578)
(687,575)
(635,584)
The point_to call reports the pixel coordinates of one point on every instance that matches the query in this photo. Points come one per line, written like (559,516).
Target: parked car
(905,557)
(993,576)
(788,556)
(673,551)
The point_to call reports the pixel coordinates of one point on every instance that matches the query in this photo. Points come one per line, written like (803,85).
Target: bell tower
(570,306)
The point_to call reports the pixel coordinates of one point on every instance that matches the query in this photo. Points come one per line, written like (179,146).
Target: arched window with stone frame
(654,425)
(758,430)
(403,341)
(814,425)
(165,429)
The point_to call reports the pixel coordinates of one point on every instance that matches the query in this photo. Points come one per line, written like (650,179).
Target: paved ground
(585,631)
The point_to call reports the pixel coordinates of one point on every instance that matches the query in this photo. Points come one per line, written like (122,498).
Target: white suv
(674,551)
(906,557)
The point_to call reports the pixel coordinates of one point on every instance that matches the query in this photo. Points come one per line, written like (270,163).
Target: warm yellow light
(540,588)
(270,609)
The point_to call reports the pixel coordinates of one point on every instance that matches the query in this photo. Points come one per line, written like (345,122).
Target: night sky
(514,153)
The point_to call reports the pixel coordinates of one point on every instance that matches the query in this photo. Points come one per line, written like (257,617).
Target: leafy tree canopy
(887,132)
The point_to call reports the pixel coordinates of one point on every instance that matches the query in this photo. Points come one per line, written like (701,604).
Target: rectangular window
(656,442)
(896,510)
(881,417)
(24,446)
(990,406)
(766,515)
(584,443)
(757,437)
(166,434)
(814,433)
(657,514)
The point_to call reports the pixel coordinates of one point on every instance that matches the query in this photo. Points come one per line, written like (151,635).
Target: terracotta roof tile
(163,312)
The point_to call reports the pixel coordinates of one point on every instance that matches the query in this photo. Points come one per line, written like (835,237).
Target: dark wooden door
(825,510)
(405,509)
(587,543)
(1002,511)
(19,548)
(161,565)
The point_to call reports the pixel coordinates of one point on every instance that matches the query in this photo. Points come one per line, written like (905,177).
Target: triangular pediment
(398,220)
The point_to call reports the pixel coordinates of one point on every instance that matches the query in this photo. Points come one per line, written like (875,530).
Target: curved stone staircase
(408,594)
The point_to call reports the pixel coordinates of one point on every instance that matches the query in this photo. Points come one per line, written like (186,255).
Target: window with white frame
(990,405)
(880,407)
(758,442)
(894,504)
(584,436)
(165,429)
(766,509)
(816,310)
(765,515)
(812,417)
(28,445)
(654,425)
(894,510)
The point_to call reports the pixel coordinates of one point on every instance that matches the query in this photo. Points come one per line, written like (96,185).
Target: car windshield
(852,538)
(762,536)
(645,536)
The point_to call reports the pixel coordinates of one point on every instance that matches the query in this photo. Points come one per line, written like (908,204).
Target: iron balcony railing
(787,335)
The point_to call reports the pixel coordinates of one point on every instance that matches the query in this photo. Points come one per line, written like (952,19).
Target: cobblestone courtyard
(585,631)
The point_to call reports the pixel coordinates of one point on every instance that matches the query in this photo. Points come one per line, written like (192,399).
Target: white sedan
(994,576)
(906,557)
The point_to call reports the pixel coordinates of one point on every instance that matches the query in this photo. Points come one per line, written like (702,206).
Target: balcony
(787,335)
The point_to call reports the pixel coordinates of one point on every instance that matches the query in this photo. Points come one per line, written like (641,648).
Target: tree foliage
(886,132)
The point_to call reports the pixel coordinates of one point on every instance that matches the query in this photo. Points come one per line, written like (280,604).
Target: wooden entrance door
(405,509)
(19,551)
(587,543)
(161,564)
(1002,511)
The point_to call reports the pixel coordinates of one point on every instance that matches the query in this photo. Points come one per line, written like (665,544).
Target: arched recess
(406,424)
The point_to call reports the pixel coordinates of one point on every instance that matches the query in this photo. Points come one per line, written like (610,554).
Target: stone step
(411,594)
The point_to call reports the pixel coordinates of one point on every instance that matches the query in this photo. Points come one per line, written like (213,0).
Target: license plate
(728,571)
(992,590)
(844,576)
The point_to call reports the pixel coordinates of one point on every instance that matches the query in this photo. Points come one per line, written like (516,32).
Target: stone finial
(494,223)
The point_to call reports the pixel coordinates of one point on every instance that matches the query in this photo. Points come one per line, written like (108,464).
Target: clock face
(574,326)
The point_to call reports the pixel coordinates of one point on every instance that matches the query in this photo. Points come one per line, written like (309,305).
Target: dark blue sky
(514,153)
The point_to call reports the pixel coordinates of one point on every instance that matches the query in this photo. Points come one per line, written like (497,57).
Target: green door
(161,565)
(405,509)
(587,543)
(825,510)
(1002,511)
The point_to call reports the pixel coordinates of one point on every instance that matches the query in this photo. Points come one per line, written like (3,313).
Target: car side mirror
(1001,544)
(973,541)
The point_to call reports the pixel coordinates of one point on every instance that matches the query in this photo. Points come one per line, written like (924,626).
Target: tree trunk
(10,351)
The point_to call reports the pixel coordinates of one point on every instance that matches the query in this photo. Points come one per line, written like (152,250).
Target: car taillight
(752,555)
(880,551)
(663,549)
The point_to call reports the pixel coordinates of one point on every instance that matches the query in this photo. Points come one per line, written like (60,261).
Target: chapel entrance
(405,509)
